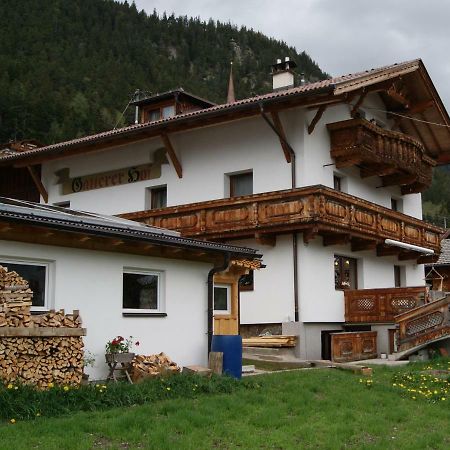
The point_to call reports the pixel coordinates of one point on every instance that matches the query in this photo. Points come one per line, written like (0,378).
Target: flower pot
(124,358)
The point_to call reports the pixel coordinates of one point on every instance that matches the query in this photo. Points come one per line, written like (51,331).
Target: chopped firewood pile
(152,366)
(36,349)
(270,341)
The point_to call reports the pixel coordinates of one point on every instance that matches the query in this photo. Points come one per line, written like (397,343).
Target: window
(222,299)
(156,197)
(345,276)
(153,115)
(241,184)
(246,282)
(396,204)
(141,291)
(337,183)
(168,111)
(399,276)
(37,275)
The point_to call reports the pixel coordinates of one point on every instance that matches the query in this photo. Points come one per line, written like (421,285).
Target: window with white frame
(37,275)
(222,299)
(142,291)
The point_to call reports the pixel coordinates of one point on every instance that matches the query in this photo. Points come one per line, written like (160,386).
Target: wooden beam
(358,103)
(396,95)
(427,259)
(360,245)
(309,234)
(420,107)
(316,118)
(377,170)
(385,250)
(282,136)
(37,181)
(416,130)
(406,255)
(172,155)
(266,239)
(336,239)
(430,130)
(398,179)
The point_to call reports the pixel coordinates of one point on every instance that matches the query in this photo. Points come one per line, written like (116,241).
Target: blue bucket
(231,347)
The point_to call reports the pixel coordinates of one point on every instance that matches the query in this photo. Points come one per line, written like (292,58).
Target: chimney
(283,74)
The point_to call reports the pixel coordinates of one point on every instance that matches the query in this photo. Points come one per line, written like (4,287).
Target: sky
(341,36)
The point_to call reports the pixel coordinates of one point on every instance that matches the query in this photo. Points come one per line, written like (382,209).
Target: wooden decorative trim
(316,118)
(282,136)
(37,181)
(358,103)
(172,155)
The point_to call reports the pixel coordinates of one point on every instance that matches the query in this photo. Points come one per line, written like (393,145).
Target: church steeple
(231,98)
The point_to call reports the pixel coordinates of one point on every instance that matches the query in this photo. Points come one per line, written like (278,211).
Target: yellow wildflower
(168,388)
(10,386)
(13,420)
(66,388)
(50,385)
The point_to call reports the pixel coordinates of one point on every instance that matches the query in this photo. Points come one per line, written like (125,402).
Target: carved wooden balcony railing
(314,210)
(396,158)
(424,324)
(353,346)
(381,305)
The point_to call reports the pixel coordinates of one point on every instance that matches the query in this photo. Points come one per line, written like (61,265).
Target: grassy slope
(307,409)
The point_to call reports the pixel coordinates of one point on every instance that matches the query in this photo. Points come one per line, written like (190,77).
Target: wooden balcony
(315,210)
(424,324)
(381,305)
(396,158)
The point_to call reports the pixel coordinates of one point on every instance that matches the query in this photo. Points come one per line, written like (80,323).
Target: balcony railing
(381,305)
(396,158)
(424,324)
(314,210)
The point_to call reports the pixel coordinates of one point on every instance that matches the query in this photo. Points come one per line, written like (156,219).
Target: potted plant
(118,350)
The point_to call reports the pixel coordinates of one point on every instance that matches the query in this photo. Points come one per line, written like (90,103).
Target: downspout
(294,242)
(211,273)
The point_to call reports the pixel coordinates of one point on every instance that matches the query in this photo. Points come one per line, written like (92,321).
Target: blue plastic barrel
(231,347)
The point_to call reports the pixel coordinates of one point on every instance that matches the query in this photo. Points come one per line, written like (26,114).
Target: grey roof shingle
(444,257)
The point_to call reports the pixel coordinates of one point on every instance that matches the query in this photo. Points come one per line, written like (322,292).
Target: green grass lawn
(316,408)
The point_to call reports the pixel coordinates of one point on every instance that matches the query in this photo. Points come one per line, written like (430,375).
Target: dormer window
(168,111)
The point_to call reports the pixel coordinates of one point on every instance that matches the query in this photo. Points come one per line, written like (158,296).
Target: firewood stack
(15,300)
(152,366)
(38,349)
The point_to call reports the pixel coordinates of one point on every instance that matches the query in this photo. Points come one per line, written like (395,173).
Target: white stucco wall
(273,297)
(208,154)
(319,301)
(91,281)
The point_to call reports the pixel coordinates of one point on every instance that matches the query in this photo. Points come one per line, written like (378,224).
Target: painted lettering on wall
(112,178)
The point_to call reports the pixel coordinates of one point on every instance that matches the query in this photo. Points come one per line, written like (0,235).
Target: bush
(26,402)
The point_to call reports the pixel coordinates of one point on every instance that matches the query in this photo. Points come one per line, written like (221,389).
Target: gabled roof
(68,220)
(412,74)
(179,93)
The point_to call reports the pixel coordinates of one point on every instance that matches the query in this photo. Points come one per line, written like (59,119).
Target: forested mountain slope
(69,67)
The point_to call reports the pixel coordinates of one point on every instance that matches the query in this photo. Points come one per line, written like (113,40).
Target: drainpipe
(294,243)
(211,273)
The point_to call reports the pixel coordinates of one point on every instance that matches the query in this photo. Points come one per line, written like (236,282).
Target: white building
(125,278)
(323,178)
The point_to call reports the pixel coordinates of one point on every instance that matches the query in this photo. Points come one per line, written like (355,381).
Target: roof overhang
(406,89)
